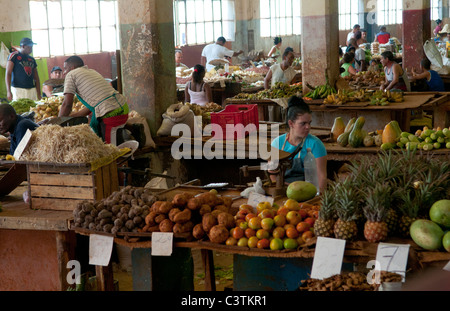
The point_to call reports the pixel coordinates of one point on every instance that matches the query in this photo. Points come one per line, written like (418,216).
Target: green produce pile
(23,105)
(280,90)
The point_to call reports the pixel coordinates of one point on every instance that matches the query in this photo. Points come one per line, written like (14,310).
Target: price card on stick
(162,243)
(100,249)
(393,257)
(328,258)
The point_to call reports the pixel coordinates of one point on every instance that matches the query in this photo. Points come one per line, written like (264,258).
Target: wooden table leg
(208,262)
(105,279)
(64,251)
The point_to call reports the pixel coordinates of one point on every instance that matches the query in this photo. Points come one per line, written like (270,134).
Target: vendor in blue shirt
(433,80)
(15,125)
(299,118)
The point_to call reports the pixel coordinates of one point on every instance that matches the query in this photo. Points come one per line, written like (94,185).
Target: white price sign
(393,257)
(162,243)
(328,258)
(100,249)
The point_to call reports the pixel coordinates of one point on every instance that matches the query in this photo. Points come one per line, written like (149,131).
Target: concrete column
(148,57)
(320,41)
(416,30)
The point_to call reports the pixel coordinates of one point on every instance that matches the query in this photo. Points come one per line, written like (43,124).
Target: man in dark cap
(22,79)
(55,84)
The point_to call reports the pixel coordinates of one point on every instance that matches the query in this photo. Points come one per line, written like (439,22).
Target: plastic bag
(157,183)
(176,114)
(4,54)
(257,187)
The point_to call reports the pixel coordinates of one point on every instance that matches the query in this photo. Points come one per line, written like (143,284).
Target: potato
(208,198)
(194,204)
(218,234)
(165,207)
(205,209)
(216,212)
(221,207)
(155,206)
(166,225)
(183,216)
(198,232)
(179,200)
(208,221)
(182,228)
(227,201)
(226,219)
(150,218)
(173,212)
(160,217)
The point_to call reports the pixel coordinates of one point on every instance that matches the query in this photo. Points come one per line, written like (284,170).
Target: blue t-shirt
(23,72)
(436,84)
(317,147)
(20,128)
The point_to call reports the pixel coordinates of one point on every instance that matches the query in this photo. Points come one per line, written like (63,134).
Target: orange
(303,226)
(249,232)
(307,235)
(292,205)
(292,233)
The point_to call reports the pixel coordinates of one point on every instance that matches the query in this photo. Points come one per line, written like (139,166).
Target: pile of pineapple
(381,199)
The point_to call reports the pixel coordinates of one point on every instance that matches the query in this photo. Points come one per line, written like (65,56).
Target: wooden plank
(12,179)
(61,192)
(105,279)
(114,178)
(106,177)
(208,263)
(54,204)
(61,180)
(98,181)
(58,169)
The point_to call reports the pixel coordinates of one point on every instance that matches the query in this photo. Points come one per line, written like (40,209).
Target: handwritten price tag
(393,257)
(162,243)
(328,258)
(100,249)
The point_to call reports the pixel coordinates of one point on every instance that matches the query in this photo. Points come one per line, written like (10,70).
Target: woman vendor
(275,51)
(394,74)
(283,72)
(197,91)
(299,120)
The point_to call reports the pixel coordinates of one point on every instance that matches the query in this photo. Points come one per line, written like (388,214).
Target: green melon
(446,241)
(427,234)
(301,191)
(440,212)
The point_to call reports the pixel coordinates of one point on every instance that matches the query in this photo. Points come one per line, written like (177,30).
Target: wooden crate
(62,186)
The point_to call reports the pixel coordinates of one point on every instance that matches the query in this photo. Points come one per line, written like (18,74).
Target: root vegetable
(183,216)
(183,228)
(159,218)
(205,209)
(218,234)
(166,225)
(198,232)
(194,204)
(226,219)
(208,221)
(173,212)
(180,200)
(165,207)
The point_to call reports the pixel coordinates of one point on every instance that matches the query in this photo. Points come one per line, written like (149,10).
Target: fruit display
(273,227)
(376,98)
(23,105)
(369,79)
(50,106)
(355,136)
(205,111)
(383,198)
(279,90)
(424,139)
(321,91)
(301,191)
(351,281)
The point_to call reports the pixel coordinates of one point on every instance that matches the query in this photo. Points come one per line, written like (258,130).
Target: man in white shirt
(216,50)
(351,34)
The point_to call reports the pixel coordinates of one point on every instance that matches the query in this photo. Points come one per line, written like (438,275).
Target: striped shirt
(93,89)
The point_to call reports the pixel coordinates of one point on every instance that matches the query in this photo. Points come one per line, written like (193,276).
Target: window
(348,14)
(67,27)
(203,21)
(436,9)
(280,17)
(390,12)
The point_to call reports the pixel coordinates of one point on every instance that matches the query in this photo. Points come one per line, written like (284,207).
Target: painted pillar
(416,30)
(370,19)
(320,41)
(148,57)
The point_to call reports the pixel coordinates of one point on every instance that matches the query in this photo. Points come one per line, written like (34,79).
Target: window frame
(389,12)
(436,5)
(182,27)
(351,16)
(73,28)
(276,20)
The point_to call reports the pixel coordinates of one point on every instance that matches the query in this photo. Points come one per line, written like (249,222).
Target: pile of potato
(351,281)
(49,107)
(205,215)
(136,209)
(122,211)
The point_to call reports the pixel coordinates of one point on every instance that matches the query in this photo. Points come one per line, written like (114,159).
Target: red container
(234,115)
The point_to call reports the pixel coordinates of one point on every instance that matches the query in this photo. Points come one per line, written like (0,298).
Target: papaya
(397,129)
(349,125)
(343,139)
(337,129)
(356,137)
(389,134)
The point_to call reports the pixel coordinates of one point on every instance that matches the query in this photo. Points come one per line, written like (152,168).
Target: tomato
(263,243)
(267,223)
(231,241)
(276,244)
(237,233)
(249,232)
(254,223)
(290,243)
(243,242)
(292,205)
(262,234)
(310,221)
(252,242)
(303,226)
(279,220)
(292,233)
(307,235)
(278,232)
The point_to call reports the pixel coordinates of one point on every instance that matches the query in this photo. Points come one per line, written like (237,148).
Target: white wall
(14,15)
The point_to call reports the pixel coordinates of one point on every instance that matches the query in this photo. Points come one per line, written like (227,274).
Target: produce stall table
(438,104)
(36,246)
(262,269)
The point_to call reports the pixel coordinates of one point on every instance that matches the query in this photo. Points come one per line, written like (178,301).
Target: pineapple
(409,210)
(324,224)
(347,210)
(377,203)
(392,220)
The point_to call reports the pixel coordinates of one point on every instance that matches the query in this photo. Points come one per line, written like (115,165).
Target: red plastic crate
(234,114)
